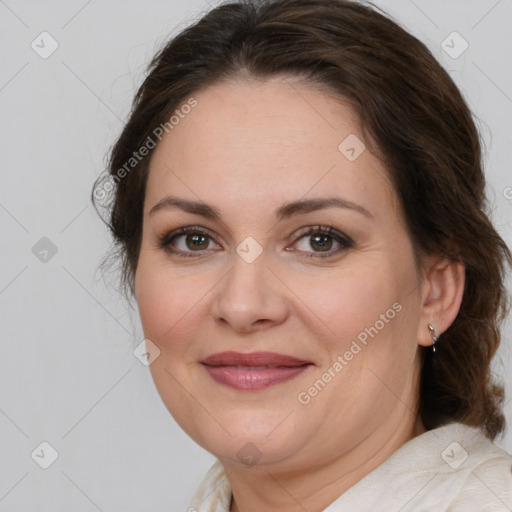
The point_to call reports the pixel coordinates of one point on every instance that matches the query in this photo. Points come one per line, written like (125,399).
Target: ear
(443,288)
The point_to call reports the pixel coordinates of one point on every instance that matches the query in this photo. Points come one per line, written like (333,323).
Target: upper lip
(231,358)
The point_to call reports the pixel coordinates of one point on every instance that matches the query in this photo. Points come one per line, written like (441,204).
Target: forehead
(270,141)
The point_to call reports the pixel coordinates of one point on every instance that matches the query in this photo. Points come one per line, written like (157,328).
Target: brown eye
(321,242)
(188,240)
(197,242)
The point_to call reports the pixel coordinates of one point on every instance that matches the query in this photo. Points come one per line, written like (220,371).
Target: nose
(250,298)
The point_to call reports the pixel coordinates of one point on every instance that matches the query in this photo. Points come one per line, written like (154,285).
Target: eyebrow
(299,207)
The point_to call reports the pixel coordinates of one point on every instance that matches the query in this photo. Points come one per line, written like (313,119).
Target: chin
(253,438)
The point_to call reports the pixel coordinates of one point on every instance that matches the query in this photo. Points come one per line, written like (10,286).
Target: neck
(316,488)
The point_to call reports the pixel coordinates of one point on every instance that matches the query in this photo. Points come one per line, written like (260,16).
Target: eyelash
(344,241)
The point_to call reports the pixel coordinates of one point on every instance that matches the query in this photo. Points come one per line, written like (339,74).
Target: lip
(232,358)
(254,370)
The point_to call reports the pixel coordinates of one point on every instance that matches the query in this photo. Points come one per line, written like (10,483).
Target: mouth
(253,371)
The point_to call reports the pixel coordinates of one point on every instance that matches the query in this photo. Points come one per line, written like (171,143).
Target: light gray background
(68,375)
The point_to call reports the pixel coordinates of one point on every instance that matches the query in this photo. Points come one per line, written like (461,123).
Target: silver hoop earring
(434,336)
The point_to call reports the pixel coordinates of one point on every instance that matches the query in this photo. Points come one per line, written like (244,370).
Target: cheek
(364,321)
(348,302)
(167,302)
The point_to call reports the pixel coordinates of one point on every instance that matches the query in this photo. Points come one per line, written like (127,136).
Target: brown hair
(422,130)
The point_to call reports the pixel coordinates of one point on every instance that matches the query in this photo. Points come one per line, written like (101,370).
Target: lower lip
(246,378)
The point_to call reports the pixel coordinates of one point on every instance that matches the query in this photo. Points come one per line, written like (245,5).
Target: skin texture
(247,148)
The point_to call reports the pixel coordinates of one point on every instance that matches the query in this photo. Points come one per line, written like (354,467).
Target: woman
(299,207)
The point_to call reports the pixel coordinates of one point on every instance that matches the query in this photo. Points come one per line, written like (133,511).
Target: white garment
(453,468)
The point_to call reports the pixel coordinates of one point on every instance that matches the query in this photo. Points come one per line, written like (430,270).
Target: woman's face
(292,243)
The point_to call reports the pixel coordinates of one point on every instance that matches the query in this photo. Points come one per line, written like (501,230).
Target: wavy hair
(416,119)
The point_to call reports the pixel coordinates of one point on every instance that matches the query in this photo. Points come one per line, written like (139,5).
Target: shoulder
(214,492)
(479,472)
(453,468)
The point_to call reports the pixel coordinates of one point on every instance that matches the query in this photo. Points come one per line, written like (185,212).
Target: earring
(433,333)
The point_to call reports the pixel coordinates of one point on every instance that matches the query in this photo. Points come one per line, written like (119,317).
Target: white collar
(451,468)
